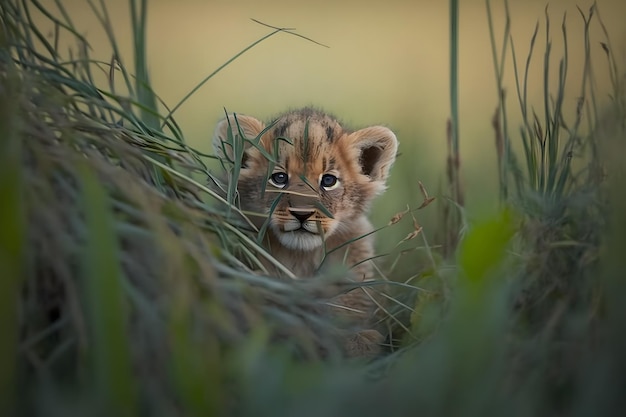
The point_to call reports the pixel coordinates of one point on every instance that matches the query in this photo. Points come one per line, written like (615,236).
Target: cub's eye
(329,182)
(279,179)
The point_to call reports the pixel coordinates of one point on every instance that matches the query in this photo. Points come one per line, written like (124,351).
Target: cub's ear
(376,149)
(223,145)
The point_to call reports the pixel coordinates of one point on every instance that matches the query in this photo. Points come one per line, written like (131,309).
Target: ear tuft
(376,147)
(223,145)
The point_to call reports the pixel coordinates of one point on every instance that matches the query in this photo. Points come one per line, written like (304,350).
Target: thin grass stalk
(505,40)
(457,192)
(588,90)
(547,140)
(533,140)
(34,30)
(573,132)
(103,17)
(530,146)
(230,61)
(280,267)
(503,138)
(557,119)
(526,140)
(68,24)
(145,95)
(454,74)
(451,217)
(26,33)
(237,144)
(616,78)
(142,95)
(548,161)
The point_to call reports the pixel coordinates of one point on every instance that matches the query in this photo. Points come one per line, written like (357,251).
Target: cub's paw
(364,344)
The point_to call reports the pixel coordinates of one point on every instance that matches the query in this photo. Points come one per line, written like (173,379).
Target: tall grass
(130,294)
(557,183)
(128,287)
(452,208)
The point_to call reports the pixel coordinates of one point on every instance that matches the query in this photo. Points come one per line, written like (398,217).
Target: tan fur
(360,161)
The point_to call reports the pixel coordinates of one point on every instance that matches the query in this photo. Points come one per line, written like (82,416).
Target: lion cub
(313,181)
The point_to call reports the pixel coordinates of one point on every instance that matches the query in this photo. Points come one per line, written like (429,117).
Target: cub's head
(309,176)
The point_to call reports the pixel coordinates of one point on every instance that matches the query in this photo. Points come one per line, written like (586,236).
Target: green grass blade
(530,162)
(547,122)
(196,367)
(220,68)
(105,21)
(40,36)
(104,300)
(454,75)
(145,94)
(276,30)
(266,223)
(558,118)
(68,24)
(12,236)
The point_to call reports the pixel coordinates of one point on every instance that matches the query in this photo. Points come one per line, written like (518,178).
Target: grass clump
(123,278)
(557,184)
(129,287)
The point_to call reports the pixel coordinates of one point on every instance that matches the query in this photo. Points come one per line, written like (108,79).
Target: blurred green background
(387,62)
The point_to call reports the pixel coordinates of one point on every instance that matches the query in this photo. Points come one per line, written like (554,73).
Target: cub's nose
(302,214)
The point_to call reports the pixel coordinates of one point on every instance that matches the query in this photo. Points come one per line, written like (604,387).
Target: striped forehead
(314,150)
(319,125)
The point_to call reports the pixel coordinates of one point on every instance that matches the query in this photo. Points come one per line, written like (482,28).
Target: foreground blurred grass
(127,285)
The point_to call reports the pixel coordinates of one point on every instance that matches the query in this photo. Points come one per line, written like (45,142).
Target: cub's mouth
(302,219)
(296,226)
(299,228)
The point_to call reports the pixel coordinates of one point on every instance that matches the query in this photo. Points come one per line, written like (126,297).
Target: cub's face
(306,175)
